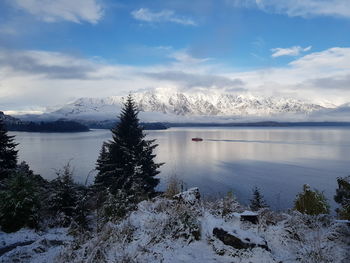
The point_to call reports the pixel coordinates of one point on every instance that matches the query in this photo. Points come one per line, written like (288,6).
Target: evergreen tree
(127,161)
(342,197)
(8,152)
(19,206)
(82,209)
(63,198)
(311,202)
(257,202)
(103,178)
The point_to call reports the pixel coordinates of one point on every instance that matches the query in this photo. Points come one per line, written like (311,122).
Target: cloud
(53,65)
(184,57)
(329,83)
(336,58)
(191,80)
(302,78)
(303,8)
(292,51)
(146,15)
(33,79)
(76,11)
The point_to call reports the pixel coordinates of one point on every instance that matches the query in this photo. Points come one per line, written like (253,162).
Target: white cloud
(304,8)
(335,58)
(183,56)
(35,79)
(304,77)
(76,11)
(291,51)
(144,14)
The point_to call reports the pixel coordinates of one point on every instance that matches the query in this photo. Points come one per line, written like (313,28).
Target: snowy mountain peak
(190,104)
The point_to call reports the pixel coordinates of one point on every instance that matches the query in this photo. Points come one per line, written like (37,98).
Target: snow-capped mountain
(182,104)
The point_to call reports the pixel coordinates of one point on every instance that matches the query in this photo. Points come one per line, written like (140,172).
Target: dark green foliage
(82,209)
(127,161)
(311,202)
(104,176)
(23,167)
(63,198)
(8,152)
(19,204)
(257,202)
(342,197)
(116,206)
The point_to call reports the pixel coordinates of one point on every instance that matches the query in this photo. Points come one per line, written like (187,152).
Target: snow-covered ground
(188,229)
(28,245)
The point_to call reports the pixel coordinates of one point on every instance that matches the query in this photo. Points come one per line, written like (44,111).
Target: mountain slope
(181,104)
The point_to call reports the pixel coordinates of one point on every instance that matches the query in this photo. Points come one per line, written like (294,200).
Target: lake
(277,160)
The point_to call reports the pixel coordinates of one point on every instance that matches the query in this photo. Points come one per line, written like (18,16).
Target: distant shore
(261,124)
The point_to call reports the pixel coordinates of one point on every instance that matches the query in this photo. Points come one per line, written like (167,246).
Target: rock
(250,217)
(235,241)
(191,196)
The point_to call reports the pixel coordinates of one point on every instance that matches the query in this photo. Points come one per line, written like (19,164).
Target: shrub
(19,203)
(173,187)
(342,197)
(116,206)
(311,202)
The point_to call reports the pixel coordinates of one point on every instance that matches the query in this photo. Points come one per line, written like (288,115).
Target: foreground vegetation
(187,228)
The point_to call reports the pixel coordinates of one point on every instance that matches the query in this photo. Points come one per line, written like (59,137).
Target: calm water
(278,160)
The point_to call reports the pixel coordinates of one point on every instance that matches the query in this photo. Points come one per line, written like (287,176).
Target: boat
(197,139)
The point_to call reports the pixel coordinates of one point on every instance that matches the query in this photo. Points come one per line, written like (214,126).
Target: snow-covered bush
(66,202)
(166,230)
(314,238)
(116,206)
(224,207)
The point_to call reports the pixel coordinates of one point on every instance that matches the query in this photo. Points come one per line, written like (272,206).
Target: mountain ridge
(174,106)
(191,104)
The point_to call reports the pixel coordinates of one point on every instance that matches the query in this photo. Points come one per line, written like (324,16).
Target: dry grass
(173,187)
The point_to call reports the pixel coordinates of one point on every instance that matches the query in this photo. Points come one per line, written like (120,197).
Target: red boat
(197,139)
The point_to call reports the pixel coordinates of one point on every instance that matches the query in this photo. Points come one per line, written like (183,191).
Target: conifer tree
(19,206)
(8,152)
(102,179)
(82,209)
(311,202)
(63,198)
(127,161)
(257,202)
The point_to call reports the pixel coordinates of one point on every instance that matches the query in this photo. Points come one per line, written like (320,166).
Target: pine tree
(127,161)
(8,152)
(102,179)
(311,202)
(63,198)
(257,202)
(19,206)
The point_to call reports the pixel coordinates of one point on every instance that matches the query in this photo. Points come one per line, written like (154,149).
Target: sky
(52,52)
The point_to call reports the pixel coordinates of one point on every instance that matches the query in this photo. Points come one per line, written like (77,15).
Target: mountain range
(174,106)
